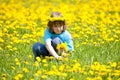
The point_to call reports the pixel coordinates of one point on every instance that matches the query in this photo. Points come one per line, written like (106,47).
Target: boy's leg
(39,50)
(56,41)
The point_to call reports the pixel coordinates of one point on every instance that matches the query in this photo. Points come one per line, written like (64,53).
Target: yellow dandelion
(30,56)
(16,59)
(5,30)
(25,70)
(45,65)
(62,46)
(64,74)
(114,64)
(44,76)
(0,48)
(58,47)
(20,75)
(98,78)
(26,62)
(44,60)
(1,40)
(9,46)
(14,48)
(36,63)
(38,73)
(56,18)
(16,78)
(38,59)
(3,75)
(60,59)
(71,79)
(66,59)
(109,78)
(32,79)
(91,72)
(18,63)
(51,57)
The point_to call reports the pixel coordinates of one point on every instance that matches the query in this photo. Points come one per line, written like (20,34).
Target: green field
(95,28)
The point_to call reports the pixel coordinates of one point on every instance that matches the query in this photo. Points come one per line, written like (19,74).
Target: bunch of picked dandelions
(62,49)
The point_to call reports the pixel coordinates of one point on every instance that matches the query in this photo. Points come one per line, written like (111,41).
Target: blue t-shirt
(64,36)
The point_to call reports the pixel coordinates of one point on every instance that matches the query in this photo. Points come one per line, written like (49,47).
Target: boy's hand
(62,53)
(60,58)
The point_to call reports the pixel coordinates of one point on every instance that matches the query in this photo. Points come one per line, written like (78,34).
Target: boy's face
(58,29)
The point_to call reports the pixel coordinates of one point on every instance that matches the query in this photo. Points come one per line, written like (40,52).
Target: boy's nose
(58,28)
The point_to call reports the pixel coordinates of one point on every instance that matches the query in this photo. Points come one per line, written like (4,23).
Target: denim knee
(36,47)
(39,50)
(56,41)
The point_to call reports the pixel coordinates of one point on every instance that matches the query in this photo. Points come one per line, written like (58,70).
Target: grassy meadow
(95,28)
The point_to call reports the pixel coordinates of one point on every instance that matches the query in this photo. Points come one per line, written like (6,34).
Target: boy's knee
(37,50)
(57,40)
(36,47)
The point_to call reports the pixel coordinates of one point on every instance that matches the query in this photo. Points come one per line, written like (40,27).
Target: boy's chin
(57,33)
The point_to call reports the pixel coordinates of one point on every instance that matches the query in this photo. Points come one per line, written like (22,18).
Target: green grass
(94,24)
(86,55)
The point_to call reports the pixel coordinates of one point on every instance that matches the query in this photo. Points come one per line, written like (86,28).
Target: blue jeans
(40,49)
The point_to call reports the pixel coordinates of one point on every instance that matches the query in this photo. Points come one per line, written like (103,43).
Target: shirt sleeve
(69,41)
(47,35)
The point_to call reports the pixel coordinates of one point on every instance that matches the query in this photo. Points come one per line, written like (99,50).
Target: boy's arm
(50,49)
